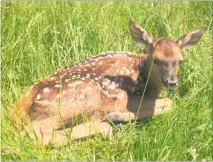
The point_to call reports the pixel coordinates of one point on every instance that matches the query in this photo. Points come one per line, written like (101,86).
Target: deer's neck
(148,72)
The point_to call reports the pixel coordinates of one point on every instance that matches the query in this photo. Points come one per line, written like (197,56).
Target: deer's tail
(21,111)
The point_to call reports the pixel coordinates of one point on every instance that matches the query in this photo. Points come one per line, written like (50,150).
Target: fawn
(104,88)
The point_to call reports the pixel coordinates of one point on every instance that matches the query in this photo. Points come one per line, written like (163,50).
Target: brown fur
(21,111)
(107,87)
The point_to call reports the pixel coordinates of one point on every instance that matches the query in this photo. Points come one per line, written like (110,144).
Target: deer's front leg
(44,132)
(78,132)
(149,106)
(118,111)
(119,116)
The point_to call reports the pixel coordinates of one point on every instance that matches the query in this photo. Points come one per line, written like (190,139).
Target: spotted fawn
(106,88)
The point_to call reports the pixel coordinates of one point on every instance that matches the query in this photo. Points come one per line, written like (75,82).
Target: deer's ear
(191,38)
(139,34)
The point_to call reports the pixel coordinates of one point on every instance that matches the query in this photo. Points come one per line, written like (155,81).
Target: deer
(83,99)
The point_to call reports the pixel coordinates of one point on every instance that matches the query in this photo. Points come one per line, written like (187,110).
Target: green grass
(39,38)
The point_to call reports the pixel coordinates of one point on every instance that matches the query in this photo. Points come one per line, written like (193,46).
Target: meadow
(39,38)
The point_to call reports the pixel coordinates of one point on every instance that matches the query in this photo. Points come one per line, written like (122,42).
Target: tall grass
(39,38)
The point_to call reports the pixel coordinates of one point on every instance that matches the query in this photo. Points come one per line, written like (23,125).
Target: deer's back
(85,85)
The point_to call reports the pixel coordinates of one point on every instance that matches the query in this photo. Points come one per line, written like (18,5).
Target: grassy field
(39,38)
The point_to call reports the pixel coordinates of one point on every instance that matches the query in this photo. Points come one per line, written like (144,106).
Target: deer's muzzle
(170,82)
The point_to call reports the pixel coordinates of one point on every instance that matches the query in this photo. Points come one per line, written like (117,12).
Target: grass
(39,38)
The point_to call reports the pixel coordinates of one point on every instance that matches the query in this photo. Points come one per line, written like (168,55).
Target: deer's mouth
(170,86)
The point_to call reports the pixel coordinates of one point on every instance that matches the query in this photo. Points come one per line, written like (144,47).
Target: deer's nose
(171,80)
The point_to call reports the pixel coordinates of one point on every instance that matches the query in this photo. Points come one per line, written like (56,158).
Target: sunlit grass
(39,38)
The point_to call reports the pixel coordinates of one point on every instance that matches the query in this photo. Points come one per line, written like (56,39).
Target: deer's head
(165,52)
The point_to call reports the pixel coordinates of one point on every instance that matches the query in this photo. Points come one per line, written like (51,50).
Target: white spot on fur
(70,85)
(38,97)
(87,75)
(121,95)
(93,63)
(128,71)
(96,78)
(116,63)
(106,82)
(100,63)
(130,53)
(45,102)
(124,68)
(61,76)
(67,80)
(109,55)
(78,69)
(57,86)
(52,78)
(119,54)
(46,90)
(77,82)
(85,69)
(105,92)
(112,85)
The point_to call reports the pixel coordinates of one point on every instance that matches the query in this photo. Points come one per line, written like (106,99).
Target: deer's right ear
(139,34)
(191,38)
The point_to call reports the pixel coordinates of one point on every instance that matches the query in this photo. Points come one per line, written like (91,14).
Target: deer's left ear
(139,34)
(191,38)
